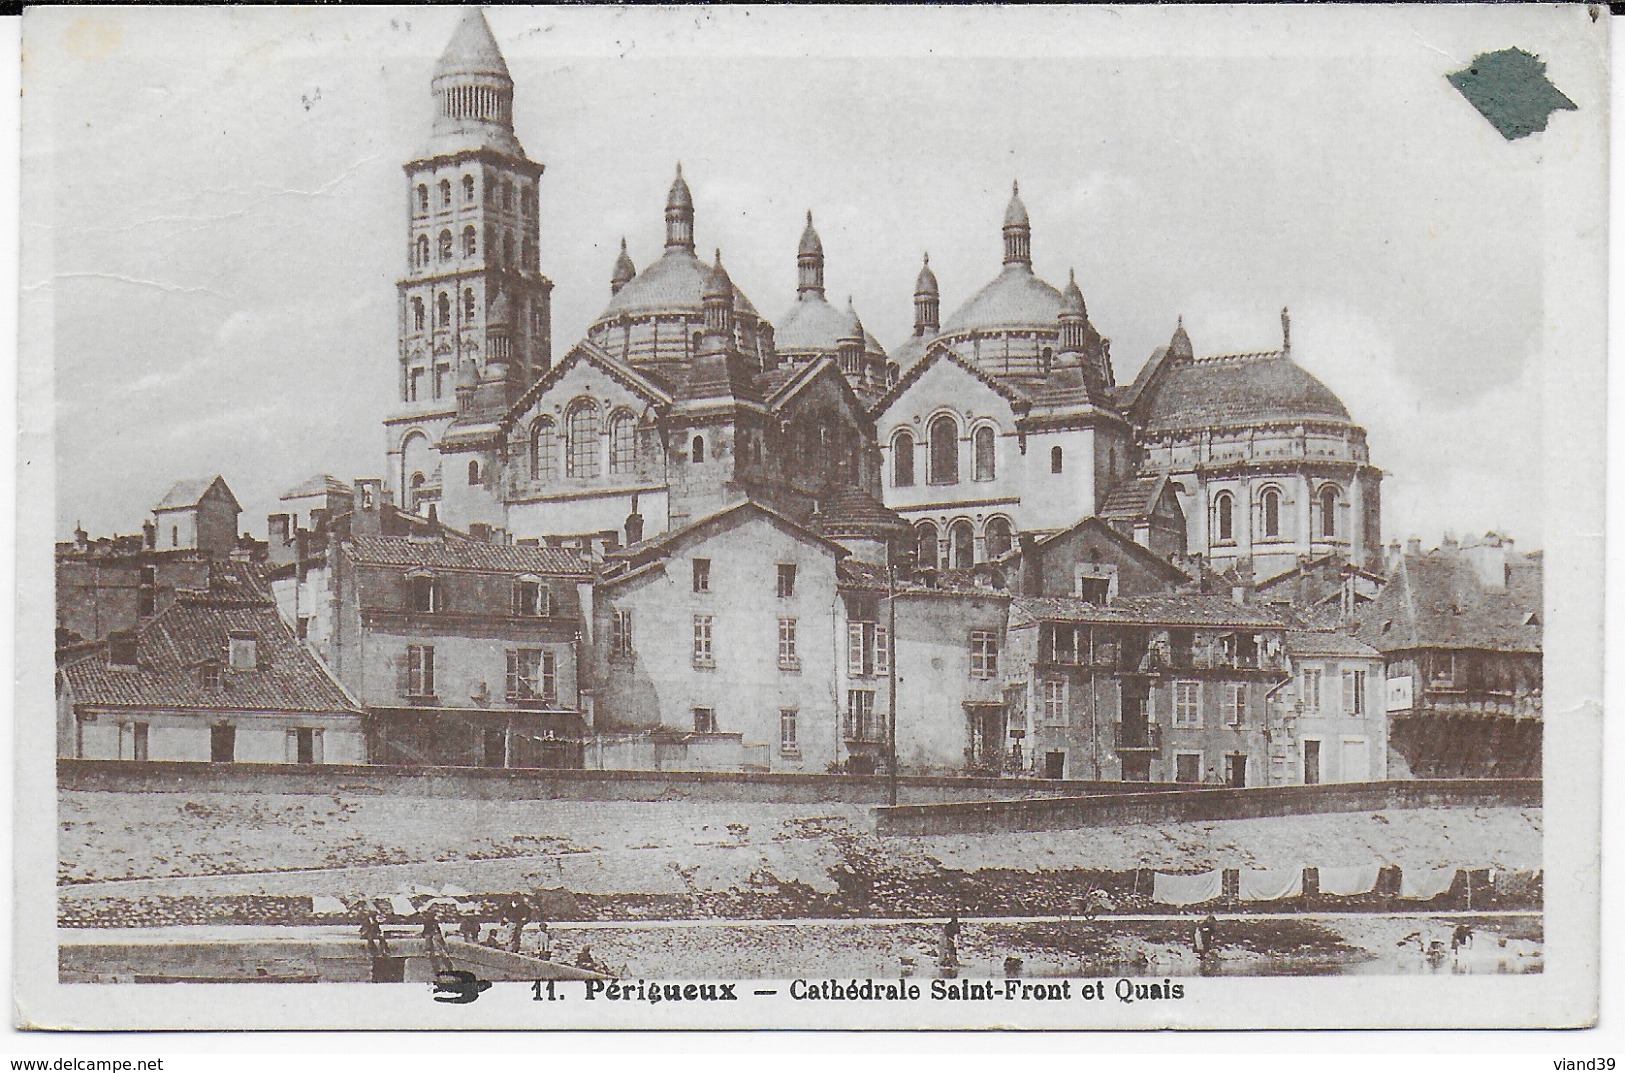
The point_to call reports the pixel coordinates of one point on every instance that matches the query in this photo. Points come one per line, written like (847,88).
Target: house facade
(217,676)
(463,652)
(1336,728)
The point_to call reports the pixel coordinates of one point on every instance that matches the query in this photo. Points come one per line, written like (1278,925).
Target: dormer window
(423,593)
(242,651)
(208,676)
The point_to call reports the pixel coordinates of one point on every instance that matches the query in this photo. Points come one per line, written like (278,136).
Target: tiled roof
(466,555)
(1065,389)
(1238,389)
(1135,497)
(189,492)
(674,283)
(321,484)
(171,649)
(843,510)
(1438,601)
(234,582)
(1015,299)
(472,49)
(985,580)
(1191,610)
(622,562)
(1327,643)
(721,374)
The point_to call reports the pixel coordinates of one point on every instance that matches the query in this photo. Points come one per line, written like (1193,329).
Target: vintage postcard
(811,518)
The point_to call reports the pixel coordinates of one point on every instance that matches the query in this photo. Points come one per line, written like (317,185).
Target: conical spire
(1073,293)
(849,346)
(1072,318)
(810,262)
(624,270)
(471,82)
(472,48)
(1180,345)
(680,214)
(927,302)
(1017,230)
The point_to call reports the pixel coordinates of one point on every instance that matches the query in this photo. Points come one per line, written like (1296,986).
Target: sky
(222,211)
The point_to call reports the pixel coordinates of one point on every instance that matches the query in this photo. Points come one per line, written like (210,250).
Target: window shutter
(549,674)
(1348,693)
(428,670)
(518,598)
(291,753)
(882,651)
(403,675)
(513,673)
(854,649)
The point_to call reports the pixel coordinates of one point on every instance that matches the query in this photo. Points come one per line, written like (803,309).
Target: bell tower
(472,247)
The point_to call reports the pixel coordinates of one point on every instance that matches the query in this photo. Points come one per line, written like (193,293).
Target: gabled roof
(1105,531)
(1136,497)
(189,492)
(172,648)
(1327,643)
(806,375)
(1437,600)
(466,555)
(636,381)
(935,354)
(720,374)
(1170,610)
(1326,559)
(637,555)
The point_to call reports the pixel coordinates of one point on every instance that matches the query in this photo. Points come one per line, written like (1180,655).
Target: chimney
(1031,581)
(1490,559)
(370,498)
(480,531)
(149,535)
(121,649)
(1413,546)
(634,523)
(276,529)
(81,539)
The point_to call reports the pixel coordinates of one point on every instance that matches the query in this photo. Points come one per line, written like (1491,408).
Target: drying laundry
(1348,881)
(402,906)
(1425,884)
(321,905)
(1187,890)
(1515,884)
(1270,884)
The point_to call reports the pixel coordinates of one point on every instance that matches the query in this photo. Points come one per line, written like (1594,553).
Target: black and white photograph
(745,517)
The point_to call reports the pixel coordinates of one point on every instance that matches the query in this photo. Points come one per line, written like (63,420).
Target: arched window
(1045,358)
(997,537)
(1056,459)
(507,250)
(1272,512)
(944,451)
(902,459)
(507,194)
(423,250)
(581,439)
(1328,510)
(471,244)
(468,304)
(423,199)
(1224,516)
(982,441)
(468,189)
(445,245)
(543,457)
(442,310)
(473,471)
(529,204)
(445,192)
(925,546)
(623,443)
(962,544)
(698,336)
(530,253)
(491,249)
(698,453)
(417,490)
(417,314)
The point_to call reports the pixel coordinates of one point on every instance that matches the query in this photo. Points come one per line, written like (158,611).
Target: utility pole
(891,680)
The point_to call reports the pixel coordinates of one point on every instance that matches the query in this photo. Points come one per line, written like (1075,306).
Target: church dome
(1239,390)
(1016,300)
(813,326)
(672,284)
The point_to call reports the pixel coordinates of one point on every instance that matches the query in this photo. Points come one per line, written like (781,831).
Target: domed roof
(810,242)
(717,283)
(1240,389)
(679,196)
(813,325)
(926,282)
(472,49)
(1015,300)
(675,283)
(1015,214)
(1073,294)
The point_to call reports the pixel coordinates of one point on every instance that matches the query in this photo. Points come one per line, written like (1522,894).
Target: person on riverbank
(1205,940)
(373,935)
(519,914)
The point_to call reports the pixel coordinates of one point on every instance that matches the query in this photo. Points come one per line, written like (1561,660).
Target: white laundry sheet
(1270,884)
(323,906)
(1187,890)
(1350,880)
(1424,884)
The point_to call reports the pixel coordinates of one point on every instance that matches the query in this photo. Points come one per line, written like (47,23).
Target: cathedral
(997,424)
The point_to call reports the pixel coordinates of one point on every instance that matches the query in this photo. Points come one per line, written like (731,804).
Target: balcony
(1137,737)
